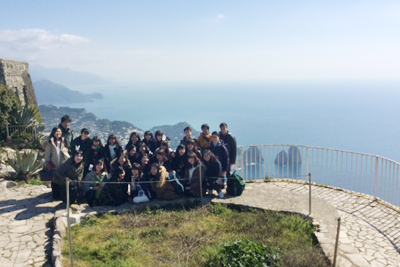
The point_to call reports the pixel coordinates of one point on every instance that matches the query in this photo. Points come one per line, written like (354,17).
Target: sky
(210,40)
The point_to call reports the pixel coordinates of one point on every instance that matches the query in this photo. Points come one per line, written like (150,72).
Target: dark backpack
(235,185)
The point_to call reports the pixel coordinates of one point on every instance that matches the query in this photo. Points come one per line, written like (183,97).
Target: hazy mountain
(48,92)
(102,127)
(65,76)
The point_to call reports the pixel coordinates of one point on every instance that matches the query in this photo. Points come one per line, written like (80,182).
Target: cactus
(26,164)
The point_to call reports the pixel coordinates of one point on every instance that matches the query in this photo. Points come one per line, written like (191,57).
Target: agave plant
(26,116)
(26,164)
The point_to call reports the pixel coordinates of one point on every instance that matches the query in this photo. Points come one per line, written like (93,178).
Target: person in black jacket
(220,151)
(148,139)
(67,133)
(230,142)
(162,159)
(115,190)
(112,150)
(133,154)
(82,142)
(96,152)
(71,169)
(140,189)
(179,161)
(122,162)
(134,140)
(214,178)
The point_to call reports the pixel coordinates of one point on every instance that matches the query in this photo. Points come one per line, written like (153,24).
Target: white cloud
(38,39)
(220,16)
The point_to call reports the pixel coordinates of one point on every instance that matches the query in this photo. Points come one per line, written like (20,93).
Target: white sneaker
(220,194)
(140,199)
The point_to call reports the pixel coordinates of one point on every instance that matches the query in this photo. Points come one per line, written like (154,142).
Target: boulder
(294,155)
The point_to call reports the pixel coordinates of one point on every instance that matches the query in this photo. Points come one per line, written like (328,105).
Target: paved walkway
(369,232)
(25,225)
(369,236)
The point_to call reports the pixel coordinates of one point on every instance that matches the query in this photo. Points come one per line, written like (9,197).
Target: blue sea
(359,117)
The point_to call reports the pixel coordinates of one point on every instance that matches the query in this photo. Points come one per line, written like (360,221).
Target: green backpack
(235,185)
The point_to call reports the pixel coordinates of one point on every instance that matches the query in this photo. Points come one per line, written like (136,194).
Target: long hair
(137,166)
(148,133)
(53,132)
(113,136)
(130,138)
(212,155)
(161,175)
(163,154)
(193,155)
(97,139)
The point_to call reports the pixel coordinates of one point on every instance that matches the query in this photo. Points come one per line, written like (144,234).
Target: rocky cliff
(15,75)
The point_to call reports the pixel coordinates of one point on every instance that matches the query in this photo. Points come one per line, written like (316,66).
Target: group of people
(145,169)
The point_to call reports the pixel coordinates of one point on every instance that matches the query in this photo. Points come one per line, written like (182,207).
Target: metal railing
(362,173)
(20,129)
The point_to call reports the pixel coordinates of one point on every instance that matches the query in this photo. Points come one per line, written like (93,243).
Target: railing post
(201,182)
(337,242)
(241,163)
(376,176)
(69,224)
(306,160)
(7,131)
(309,194)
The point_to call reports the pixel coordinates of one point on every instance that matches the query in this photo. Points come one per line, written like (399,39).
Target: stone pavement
(25,225)
(369,233)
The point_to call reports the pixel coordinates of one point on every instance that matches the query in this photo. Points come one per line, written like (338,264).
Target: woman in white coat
(55,151)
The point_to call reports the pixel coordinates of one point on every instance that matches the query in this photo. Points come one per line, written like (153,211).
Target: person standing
(82,142)
(55,150)
(67,133)
(230,142)
(214,178)
(188,136)
(204,138)
(112,150)
(221,152)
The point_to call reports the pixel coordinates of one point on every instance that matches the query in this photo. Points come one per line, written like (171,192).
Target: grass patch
(212,235)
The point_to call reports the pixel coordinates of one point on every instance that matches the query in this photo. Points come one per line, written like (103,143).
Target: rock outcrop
(15,75)
(294,155)
(253,155)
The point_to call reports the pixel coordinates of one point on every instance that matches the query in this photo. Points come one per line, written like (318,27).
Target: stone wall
(15,74)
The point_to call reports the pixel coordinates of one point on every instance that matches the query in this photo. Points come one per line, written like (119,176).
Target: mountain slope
(48,92)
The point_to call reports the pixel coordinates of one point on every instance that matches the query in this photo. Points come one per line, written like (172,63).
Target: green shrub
(245,252)
(37,181)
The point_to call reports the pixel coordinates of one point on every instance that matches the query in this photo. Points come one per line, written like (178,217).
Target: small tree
(9,105)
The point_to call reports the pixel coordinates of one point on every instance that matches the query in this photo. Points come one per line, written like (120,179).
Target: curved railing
(362,173)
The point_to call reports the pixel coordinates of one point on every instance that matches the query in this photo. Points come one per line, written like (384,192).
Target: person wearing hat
(204,138)
(71,169)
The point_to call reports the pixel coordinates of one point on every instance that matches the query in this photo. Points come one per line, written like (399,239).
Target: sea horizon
(359,117)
